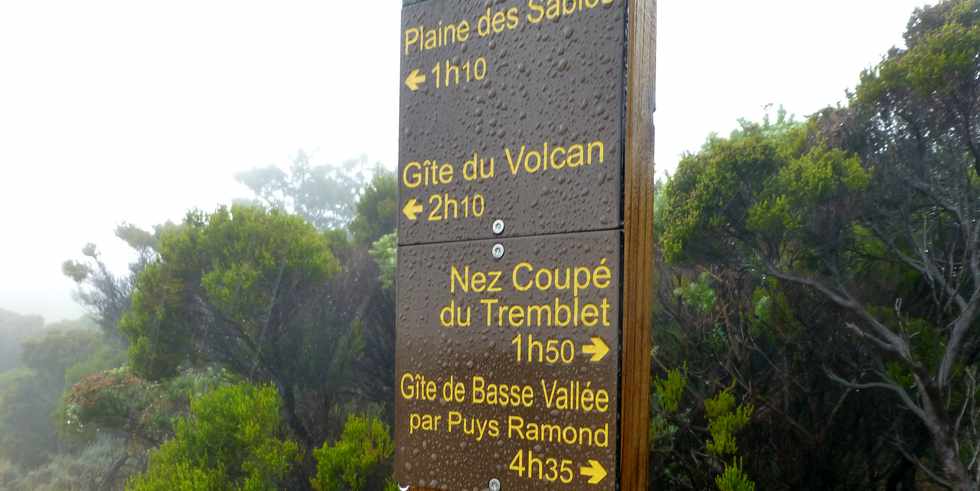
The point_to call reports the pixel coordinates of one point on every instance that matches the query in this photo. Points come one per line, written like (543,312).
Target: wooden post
(638,254)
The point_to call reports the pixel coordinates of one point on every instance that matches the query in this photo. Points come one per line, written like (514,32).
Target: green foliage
(863,218)
(115,401)
(734,479)
(758,187)
(29,398)
(27,438)
(240,262)
(704,190)
(104,294)
(929,19)
(668,393)
(661,190)
(774,316)
(670,390)
(724,421)
(106,356)
(231,441)
(360,455)
(385,253)
(762,306)
(56,352)
(801,186)
(266,296)
(377,210)
(142,241)
(698,294)
(942,61)
(248,250)
(104,401)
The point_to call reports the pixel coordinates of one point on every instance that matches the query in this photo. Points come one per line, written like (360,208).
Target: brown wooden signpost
(525,270)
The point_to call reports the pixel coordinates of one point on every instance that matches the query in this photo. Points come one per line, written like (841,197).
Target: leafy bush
(698,294)
(385,253)
(734,479)
(27,438)
(724,421)
(231,440)
(670,390)
(358,459)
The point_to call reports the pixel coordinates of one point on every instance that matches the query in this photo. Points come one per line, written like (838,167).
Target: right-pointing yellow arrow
(412,209)
(414,80)
(598,349)
(595,472)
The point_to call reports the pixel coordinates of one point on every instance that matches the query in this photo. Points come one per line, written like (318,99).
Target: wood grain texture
(638,253)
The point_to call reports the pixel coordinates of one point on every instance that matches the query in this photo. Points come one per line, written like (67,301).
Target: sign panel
(512,111)
(507,369)
(524,285)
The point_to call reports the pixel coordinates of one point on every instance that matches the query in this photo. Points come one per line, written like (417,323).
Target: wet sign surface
(510,111)
(507,369)
(525,244)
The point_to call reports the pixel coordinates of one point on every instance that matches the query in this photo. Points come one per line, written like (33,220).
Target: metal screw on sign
(494,485)
(497,251)
(498,227)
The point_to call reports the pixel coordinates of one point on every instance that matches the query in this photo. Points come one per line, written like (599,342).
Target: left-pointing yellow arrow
(412,209)
(415,80)
(598,349)
(595,472)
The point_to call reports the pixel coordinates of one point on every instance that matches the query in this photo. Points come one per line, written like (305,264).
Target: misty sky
(135,111)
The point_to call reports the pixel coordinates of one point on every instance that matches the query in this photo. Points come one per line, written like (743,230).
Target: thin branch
(923,265)
(971,389)
(937,199)
(837,407)
(861,333)
(902,394)
(269,312)
(957,339)
(884,338)
(918,463)
(972,251)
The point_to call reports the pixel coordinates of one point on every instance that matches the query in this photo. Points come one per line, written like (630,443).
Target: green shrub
(385,254)
(734,479)
(669,391)
(231,441)
(357,459)
(724,421)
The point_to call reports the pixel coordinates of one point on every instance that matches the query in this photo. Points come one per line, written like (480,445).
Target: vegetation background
(816,325)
